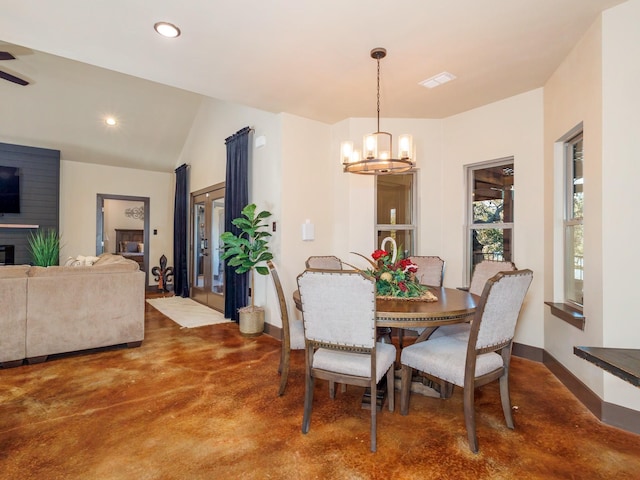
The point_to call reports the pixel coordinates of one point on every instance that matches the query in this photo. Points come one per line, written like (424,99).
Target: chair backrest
(284,314)
(484,271)
(338,308)
(324,262)
(430,270)
(497,313)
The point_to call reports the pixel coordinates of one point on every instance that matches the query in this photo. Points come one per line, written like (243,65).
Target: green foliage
(45,248)
(395,279)
(249,248)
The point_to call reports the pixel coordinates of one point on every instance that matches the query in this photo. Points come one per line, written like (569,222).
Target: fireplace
(7,254)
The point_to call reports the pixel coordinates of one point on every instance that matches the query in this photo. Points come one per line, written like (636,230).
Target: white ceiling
(308,58)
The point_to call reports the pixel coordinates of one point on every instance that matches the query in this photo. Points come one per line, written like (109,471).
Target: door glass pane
(199,247)
(217,228)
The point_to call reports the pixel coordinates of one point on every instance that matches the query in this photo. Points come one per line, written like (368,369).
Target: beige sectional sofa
(64,309)
(13,314)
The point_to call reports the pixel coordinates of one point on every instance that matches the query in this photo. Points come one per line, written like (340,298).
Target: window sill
(621,362)
(568,314)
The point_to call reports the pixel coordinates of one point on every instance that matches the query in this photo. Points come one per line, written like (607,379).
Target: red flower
(402,286)
(379,254)
(408,266)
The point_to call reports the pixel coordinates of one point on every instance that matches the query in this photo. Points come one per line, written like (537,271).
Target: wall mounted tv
(9,190)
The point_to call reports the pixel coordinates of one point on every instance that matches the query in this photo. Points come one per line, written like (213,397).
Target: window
(395,210)
(489,212)
(573,221)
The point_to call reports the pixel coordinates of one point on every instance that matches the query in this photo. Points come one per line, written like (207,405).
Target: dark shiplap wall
(39,195)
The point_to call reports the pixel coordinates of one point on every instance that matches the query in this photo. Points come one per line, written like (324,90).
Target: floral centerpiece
(395,275)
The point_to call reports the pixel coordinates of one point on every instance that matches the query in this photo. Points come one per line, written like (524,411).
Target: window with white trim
(396,210)
(573,222)
(489,212)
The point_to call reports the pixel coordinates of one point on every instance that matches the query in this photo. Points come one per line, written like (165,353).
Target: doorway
(122,227)
(207,267)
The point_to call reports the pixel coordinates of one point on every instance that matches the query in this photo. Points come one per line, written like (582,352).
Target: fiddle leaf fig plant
(249,249)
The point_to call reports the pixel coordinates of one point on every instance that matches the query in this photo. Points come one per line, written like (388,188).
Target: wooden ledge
(568,314)
(621,362)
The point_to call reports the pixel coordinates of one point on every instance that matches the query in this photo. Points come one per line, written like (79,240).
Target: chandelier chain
(378,88)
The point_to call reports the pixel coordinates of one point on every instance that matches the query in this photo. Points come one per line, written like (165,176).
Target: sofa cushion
(13,316)
(14,271)
(76,308)
(120,267)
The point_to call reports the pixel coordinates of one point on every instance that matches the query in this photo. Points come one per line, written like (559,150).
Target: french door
(207,215)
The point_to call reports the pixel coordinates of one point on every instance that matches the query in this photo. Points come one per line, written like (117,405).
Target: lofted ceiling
(306,58)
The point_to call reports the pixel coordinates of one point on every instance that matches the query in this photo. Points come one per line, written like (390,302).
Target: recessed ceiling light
(166,29)
(437,80)
(111,121)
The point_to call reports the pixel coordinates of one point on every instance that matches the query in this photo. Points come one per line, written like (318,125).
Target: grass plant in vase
(45,248)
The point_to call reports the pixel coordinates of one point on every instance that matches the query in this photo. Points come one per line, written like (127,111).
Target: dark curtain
(180,216)
(236,198)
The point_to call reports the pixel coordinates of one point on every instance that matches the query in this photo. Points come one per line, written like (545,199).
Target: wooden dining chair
(339,314)
(484,357)
(430,272)
(292,331)
(483,272)
(324,262)
(430,269)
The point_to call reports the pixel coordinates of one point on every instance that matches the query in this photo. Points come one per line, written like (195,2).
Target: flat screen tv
(9,190)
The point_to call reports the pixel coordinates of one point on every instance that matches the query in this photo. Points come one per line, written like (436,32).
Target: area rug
(187,312)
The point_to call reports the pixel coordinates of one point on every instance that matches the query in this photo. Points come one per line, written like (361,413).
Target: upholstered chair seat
(474,358)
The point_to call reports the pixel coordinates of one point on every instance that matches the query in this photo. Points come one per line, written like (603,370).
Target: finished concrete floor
(202,403)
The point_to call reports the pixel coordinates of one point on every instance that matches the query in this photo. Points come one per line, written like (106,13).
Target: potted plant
(246,251)
(45,248)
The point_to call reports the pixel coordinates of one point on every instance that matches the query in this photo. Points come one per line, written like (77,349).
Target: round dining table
(453,306)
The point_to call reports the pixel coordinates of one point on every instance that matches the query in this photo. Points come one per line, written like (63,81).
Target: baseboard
(273,331)
(583,393)
(614,415)
(526,351)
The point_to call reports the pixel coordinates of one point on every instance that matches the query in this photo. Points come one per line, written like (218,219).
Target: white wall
(572,95)
(205,152)
(620,176)
(597,84)
(511,127)
(307,194)
(80,183)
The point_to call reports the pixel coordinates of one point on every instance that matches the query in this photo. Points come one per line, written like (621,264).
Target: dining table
(452,306)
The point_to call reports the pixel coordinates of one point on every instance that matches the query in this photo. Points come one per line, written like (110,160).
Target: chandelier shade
(377,156)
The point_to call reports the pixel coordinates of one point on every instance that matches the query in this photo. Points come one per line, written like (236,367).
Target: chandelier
(377,149)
